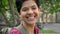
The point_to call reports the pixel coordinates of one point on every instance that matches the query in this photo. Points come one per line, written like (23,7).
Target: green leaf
(4,3)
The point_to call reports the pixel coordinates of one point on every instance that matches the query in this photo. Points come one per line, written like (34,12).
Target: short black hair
(20,2)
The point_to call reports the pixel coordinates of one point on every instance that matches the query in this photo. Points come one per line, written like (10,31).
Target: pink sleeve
(14,31)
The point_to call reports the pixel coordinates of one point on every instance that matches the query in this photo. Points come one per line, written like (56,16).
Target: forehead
(29,3)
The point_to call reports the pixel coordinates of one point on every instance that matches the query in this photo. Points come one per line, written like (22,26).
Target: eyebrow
(33,5)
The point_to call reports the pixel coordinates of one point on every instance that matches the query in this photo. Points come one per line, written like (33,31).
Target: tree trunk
(11,3)
(14,13)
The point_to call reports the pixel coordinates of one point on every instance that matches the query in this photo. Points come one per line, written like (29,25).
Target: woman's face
(29,12)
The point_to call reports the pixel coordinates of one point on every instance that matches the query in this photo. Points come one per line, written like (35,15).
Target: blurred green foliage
(47,6)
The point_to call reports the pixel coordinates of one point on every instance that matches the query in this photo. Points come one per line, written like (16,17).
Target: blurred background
(50,13)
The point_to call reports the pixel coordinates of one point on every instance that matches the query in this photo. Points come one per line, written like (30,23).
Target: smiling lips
(30,18)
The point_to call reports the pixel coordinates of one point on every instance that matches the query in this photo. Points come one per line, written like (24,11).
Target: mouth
(30,18)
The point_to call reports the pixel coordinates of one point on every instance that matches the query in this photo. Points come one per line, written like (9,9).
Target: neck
(30,28)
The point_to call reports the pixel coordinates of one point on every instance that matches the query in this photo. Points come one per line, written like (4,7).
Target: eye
(25,9)
(33,8)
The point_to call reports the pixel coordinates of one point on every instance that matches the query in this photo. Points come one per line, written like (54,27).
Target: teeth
(30,17)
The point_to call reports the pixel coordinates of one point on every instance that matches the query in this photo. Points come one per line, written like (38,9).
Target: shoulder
(36,30)
(14,31)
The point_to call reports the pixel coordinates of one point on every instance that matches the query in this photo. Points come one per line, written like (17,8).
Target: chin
(31,22)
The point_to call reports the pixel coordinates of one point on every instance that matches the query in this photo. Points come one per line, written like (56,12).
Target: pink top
(15,31)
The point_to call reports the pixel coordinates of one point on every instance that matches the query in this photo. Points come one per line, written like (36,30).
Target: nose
(30,12)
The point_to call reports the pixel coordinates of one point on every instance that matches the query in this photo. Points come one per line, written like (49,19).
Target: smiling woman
(29,12)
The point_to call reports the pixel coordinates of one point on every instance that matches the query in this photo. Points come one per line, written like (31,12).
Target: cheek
(37,12)
(23,15)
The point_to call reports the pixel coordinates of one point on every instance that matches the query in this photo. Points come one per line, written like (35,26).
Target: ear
(19,13)
(39,9)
